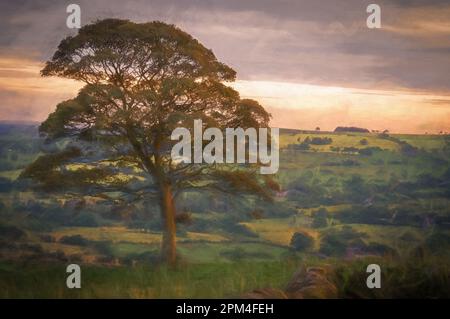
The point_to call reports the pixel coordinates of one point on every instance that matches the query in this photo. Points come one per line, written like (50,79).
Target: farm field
(345,198)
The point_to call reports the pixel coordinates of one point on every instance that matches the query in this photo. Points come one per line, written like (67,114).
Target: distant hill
(29,128)
(351,129)
(299,131)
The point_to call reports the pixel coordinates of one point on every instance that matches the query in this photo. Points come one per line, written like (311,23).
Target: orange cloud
(25,95)
(307,106)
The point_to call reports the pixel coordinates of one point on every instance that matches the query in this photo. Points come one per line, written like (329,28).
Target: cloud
(307,106)
(24,95)
(317,42)
(320,43)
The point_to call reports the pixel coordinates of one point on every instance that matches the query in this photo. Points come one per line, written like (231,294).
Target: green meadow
(347,199)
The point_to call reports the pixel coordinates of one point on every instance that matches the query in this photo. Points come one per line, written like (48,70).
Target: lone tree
(141,82)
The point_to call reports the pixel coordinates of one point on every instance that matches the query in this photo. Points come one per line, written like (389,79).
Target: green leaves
(115,51)
(142,80)
(243,182)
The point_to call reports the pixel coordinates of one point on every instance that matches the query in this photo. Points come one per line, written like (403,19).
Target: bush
(372,215)
(356,189)
(368,151)
(233,226)
(336,242)
(321,141)
(301,242)
(184,218)
(351,129)
(103,247)
(407,149)
(320,218)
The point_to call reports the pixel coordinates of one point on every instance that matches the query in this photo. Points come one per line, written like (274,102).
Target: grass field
(213,280)
(390,203)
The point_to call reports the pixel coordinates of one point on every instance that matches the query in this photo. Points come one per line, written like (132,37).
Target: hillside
(354,195)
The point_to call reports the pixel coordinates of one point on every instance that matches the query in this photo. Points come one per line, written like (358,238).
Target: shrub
(351,129)
(256,214)
(368,151)
(233,226)
(321,141)
(372,215)
(184,218)
(364,141)
(407,149)
(336,242)
(301,241)
(320,218)
(103,247)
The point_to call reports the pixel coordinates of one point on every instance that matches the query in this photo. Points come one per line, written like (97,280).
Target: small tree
(320,218)
(302,241)
(141,82)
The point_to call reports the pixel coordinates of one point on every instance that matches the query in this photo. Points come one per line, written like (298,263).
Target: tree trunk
(168,212)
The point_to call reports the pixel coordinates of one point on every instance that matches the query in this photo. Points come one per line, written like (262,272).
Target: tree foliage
(141,81)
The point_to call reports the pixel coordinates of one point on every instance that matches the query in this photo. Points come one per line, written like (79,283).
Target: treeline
(305,144)
(351,129)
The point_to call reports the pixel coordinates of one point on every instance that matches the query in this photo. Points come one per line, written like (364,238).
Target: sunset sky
(310,63)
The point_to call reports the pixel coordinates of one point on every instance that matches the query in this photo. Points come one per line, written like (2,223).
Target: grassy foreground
(215,280)
(416,277)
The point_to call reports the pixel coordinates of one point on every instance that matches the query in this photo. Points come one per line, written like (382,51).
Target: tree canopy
(141,81)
